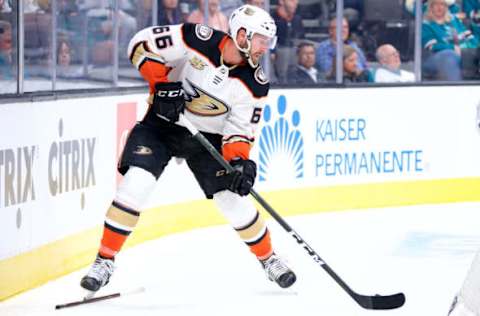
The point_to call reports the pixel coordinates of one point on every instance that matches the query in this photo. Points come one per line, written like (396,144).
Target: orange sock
(257,237)
(119,223)
(262,248)
(111,243)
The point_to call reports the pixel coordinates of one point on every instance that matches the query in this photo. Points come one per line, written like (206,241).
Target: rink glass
(56,45)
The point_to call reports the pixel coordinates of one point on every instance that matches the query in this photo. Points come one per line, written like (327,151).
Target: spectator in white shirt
(389,70)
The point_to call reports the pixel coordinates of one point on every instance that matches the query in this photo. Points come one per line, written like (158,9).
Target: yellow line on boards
(76,251)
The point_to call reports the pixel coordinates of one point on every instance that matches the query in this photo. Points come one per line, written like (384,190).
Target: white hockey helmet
(254,20)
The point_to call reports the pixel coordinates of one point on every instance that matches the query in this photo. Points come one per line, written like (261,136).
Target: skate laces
(275,268)
(101,269)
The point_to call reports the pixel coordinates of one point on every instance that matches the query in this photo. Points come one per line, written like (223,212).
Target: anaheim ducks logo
(201,103)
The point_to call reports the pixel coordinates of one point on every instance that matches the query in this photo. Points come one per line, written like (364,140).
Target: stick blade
(88,300)
(381,302)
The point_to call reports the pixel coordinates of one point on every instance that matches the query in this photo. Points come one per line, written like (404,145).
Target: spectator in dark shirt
(351,72)
(353,11)
(289,30)
(169,13)
(305,73)
(327,49)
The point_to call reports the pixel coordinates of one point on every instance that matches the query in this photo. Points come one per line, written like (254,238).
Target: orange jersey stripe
(234,150)
(153,72)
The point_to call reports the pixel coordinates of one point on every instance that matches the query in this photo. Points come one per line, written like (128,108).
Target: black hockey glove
(243,177)
(168,100)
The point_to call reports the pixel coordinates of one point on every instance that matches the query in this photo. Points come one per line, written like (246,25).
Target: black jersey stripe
(117,230)
(253,243)
(125,208)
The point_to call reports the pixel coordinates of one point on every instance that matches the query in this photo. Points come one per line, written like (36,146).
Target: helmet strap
(245,52)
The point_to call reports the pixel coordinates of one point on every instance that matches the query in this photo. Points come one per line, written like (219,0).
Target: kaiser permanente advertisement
(352,136)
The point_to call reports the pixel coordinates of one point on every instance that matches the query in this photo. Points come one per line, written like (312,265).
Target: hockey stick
(366,301)
(99,298)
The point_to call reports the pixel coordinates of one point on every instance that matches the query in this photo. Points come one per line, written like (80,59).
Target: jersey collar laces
(223,64)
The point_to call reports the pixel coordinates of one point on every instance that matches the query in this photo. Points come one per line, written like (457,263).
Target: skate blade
(89,295)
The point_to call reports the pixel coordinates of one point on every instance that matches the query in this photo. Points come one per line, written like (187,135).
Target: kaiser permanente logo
(281,144)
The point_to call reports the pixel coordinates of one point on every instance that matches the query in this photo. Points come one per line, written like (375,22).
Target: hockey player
(216,81)
(467,302)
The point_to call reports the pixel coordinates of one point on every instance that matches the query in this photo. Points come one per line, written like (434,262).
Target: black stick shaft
(368,302)
(199,137)
(88,300)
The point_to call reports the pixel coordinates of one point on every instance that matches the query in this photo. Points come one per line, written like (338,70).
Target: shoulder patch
(260,76)
(203,32)
(255,80)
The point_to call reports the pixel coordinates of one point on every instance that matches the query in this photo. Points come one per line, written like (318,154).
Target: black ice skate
(98,275)
(278,271)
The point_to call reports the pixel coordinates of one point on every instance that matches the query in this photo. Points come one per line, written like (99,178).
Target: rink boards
(317,150)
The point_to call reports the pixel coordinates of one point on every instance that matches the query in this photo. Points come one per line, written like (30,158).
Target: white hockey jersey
(221,99)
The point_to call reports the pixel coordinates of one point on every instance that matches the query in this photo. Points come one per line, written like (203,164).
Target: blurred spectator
(125,5)
(68,15)
(289,30)
(144,14)
(351,72)
(6,50)
(305,72)
(472,11)
(71,23)
(257,3)
(169,13)
(453,7)
(44,5)
(30,6)
(64,57)
(471,8)
(38,33)
(64,60)
(389,70)
(100,14)
(216,19)
(326,50)
(353,11)
(448,44)
(5,6)
(227,6)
